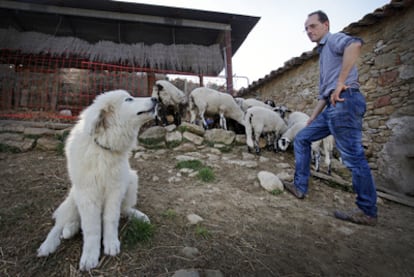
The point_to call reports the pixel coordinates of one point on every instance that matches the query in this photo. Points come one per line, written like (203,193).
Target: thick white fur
(260,120)
(296,122)
(103,183)
(208,101)
(169,95)
(251,102)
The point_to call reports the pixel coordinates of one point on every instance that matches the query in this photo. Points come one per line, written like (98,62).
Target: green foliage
(206,174)
(276,192)
(182,128)
(192,164)
(169,213)
(226,149)
(152,143)
(138,231)
(202,231)
(8,149)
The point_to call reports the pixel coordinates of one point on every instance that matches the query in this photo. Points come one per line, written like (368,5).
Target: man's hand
(335,95)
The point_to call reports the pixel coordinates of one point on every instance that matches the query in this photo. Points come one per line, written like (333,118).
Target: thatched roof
(176,57)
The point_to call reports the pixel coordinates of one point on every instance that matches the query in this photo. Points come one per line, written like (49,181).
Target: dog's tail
(67,225)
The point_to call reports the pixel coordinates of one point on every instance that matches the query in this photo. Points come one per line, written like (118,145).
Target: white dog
(103,184)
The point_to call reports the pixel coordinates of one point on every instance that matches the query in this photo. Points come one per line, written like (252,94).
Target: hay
(193,58)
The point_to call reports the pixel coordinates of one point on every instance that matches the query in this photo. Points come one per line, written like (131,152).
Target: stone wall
(386,70)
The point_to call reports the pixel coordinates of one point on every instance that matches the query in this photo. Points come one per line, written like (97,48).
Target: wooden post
(227,59)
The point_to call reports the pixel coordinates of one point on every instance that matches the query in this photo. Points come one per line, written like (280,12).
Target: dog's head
(116,115)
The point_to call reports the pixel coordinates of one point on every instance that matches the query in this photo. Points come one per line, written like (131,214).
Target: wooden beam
(381,192)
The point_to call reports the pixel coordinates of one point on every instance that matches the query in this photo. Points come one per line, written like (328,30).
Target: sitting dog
(103,184)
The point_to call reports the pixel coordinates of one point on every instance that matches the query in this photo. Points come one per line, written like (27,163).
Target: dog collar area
(102,146)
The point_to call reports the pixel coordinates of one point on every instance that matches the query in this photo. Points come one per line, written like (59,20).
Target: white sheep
(260,120)
(282,110)
(328,145)
(205,101)
(170,100)
(296,122)
(251,102)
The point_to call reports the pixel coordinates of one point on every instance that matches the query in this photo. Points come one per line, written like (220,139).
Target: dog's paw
(44,251)
(47,247)
(88,262)
(139,215)
(112,247)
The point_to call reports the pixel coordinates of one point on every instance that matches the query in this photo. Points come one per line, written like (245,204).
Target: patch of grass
(226,149)
(173,144)
(202,231)
(138,231)
(169,213)
(206,174)
(35,137)
(276,192)
(182,129)
(192,164)
(60,149)
(8,149)
(152,142)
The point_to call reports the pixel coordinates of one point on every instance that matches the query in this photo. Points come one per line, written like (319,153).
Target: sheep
(170,99)
(205,101)
(282,110)
(328,145)
(260,120)
(251,102)
(296,122)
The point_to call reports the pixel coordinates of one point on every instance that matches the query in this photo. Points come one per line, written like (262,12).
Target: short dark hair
(321,16)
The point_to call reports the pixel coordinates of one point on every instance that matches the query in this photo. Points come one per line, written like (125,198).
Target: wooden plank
(381,192)
(397,199)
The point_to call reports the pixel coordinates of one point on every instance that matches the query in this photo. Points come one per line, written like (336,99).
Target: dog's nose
(154,100)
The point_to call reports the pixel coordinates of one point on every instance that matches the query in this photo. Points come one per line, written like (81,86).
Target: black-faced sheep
(296,122)
(170,100)
(282,110)
(260,120)
(205,101)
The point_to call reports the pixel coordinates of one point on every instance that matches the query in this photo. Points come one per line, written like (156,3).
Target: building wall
(386,68)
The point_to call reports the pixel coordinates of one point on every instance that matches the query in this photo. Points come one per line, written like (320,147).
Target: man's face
(315,29)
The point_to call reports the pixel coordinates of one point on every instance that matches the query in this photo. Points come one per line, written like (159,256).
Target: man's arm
(318,109)
(349,59)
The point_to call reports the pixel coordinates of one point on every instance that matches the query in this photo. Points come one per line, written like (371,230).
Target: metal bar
(113,15)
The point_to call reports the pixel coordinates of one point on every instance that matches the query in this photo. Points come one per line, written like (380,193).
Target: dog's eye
(129,99)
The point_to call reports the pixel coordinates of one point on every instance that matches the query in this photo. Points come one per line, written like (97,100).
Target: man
(342,117)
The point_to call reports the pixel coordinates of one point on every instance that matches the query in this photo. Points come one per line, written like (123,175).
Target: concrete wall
(386,70)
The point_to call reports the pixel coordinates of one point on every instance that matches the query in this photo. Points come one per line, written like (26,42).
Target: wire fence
(44,86)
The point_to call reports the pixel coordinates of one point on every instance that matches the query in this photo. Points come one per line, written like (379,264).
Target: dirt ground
(246,230)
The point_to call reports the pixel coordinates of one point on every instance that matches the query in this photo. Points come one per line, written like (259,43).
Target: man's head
(317,26)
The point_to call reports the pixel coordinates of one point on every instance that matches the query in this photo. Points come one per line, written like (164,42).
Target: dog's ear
(102,121)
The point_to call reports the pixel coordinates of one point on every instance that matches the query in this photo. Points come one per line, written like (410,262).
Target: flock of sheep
(277,123)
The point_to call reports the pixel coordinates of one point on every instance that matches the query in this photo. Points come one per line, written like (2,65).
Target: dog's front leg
(111,215)
(90,213)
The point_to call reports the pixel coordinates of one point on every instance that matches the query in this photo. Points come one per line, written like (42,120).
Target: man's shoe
(356,216)
(290,187)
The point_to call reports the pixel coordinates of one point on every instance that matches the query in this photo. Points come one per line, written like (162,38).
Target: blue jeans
(344,122)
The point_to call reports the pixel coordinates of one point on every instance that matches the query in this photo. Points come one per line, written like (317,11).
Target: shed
(116,36)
